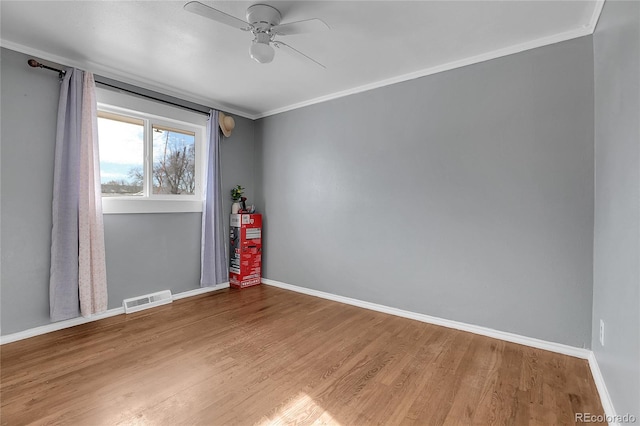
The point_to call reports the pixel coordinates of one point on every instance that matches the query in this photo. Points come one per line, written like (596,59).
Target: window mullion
(148,159)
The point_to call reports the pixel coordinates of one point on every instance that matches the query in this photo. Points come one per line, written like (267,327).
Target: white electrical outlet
(602,332)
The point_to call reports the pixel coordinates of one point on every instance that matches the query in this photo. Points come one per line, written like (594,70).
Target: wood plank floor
(269,356)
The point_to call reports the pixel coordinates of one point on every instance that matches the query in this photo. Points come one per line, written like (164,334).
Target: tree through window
(174,161)
(144,156)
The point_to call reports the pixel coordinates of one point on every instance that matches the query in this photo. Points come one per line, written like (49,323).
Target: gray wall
(466,195)
(145,252)
(616,292)
(27,141)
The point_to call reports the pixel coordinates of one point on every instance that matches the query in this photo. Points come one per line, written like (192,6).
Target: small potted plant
(236,196)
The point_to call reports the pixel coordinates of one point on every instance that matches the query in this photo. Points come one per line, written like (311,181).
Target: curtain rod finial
(35,64)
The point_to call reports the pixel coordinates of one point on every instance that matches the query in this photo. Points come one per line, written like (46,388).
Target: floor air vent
(147,301)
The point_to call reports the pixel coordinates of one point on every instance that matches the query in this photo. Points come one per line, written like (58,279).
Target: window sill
(145,205)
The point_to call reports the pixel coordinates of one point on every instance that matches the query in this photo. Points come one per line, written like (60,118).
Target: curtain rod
(143,95)
(102,81)
(35,64)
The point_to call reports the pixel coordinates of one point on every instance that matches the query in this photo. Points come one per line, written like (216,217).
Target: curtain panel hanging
(213,254)
(77,235)
(63,281)
(92,275)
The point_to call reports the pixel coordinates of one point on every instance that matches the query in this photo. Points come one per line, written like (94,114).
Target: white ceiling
(160,46)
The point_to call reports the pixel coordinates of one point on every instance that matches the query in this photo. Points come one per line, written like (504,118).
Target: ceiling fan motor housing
(263,17)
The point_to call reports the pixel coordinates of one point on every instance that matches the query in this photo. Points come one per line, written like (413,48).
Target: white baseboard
(605,398)
(60,325)
(476,329)
(581,353)
(55,326)
(201,290)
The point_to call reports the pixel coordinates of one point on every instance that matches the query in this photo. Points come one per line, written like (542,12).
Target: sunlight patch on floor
(301,410)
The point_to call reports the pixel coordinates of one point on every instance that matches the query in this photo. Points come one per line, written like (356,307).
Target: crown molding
(114,74)
(109,72)
(595,17)
(495,54)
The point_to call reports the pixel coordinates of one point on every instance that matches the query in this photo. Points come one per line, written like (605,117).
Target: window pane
(121,154)
(174,161)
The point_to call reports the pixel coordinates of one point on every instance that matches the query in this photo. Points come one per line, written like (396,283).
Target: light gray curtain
(63,281)
(73,128)
(92,272)
(213,254)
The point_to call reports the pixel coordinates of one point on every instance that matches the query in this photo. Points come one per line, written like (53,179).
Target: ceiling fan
(264,23)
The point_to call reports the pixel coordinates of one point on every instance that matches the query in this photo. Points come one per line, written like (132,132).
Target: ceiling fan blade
(279,44)
(299,27)
(217,15)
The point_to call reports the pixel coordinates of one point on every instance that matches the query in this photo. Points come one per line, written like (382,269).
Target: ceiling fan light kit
(260,50)
(264,23)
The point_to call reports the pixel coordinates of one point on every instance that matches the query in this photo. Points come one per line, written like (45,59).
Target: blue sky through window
(121,149)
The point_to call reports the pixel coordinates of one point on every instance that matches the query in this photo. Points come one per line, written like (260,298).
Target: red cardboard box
(245,250)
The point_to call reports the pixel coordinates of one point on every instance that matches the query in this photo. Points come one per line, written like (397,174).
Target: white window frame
(153,113)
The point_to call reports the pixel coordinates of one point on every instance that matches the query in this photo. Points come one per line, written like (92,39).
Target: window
(174,161)
(150,163)
(121,154)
